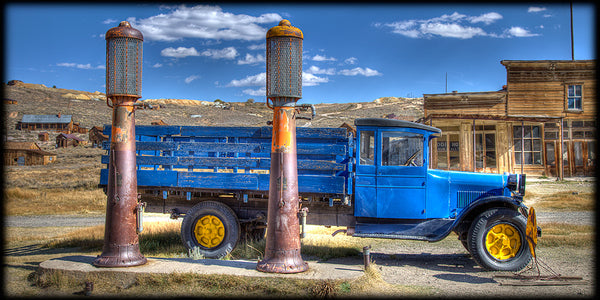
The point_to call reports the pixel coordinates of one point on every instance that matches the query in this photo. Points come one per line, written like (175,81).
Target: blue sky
(352,53)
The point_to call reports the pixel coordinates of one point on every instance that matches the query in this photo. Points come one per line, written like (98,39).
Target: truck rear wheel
(497,240)
(212,227)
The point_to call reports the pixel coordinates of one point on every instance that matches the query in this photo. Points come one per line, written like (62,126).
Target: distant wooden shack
(159,122)
(65,140)
(78,129)
(58,122)
(97,137)
(26,154)
(43,136)
(350,128)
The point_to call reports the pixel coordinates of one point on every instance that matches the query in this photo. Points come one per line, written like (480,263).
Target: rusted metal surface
(121,243)
(284,88)
(282,252)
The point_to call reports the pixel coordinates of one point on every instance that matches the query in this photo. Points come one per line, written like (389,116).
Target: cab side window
(367,148)
(401,149)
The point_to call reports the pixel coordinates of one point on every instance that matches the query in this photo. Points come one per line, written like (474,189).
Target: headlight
(522,184)
(516,182)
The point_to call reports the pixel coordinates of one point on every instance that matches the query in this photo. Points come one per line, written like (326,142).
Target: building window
(574,97)
(448,157)
(528,144)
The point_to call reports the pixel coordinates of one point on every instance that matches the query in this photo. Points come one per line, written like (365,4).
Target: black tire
(226,233)
(505,251)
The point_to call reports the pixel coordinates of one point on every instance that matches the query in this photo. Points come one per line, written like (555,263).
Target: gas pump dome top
(124,30)
(285,29)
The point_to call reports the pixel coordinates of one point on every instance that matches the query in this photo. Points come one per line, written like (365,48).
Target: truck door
(365,181)
(401,174)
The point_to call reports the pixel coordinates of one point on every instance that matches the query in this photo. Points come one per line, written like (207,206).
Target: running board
(428,230)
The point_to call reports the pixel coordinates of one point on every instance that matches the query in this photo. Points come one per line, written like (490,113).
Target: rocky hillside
(90,109)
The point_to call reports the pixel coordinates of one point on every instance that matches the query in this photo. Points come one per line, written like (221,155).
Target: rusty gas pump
(123,89)
(284,89)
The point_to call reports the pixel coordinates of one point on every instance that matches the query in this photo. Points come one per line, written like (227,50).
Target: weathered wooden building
(26,154)
(518,128)
(58,122)
(65,140)
(96,136)
(43,136)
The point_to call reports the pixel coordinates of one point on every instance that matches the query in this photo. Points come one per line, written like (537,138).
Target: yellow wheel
(209,231)
(496,240)
(503,241)
(211,228)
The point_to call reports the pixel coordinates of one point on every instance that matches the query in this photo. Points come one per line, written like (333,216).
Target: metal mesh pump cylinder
(124,61)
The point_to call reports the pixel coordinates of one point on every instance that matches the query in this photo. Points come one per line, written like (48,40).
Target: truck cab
(397,196)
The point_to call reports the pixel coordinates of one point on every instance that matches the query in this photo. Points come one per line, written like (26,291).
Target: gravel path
(69,220)
(570,217)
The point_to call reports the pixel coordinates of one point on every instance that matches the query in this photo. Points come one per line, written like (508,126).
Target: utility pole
(572,44)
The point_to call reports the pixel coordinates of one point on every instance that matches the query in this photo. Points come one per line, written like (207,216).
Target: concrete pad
(82,264)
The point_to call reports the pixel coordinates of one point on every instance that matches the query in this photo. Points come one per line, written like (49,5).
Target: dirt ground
(442,269)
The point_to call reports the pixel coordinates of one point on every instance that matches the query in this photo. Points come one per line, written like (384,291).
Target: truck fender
(467,215)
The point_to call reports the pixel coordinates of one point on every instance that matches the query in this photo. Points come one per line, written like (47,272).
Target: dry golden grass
(563,201)
(561,235)
(24,201)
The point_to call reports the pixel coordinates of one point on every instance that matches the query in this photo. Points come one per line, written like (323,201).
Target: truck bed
(187,164)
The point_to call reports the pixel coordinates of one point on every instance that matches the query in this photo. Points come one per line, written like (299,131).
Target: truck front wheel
(212,227)
(497,240)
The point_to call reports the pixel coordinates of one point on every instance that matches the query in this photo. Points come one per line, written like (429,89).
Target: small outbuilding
(97,137)
(65,140)
(26,154)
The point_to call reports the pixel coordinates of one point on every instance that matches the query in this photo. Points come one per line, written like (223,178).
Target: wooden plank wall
(540,88)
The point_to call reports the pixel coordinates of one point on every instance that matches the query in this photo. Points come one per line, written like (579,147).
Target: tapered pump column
(123,89)
(284,88)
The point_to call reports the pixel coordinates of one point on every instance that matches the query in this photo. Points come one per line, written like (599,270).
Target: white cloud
(455,25)
(519,32)
(262,46)
(191,78)
(312,80)
(259,92)
(488,18)
(351,60)
(109,21)
(225,53)
(251,59)
(204,22)
(252,80)
(451,30)
(80,66)
(157,65)
(360,71)
(317,70)
(261,80)
(179,52)
(534,9)
(322,58)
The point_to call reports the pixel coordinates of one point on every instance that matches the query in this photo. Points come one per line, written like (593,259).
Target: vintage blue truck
(377,184)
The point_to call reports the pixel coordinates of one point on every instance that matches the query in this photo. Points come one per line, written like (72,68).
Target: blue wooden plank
(214,180)
(220,147)
(221,131)
(157,160)
(220,162)
(157,178)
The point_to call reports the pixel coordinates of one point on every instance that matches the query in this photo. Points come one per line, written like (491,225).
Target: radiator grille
(464,198)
